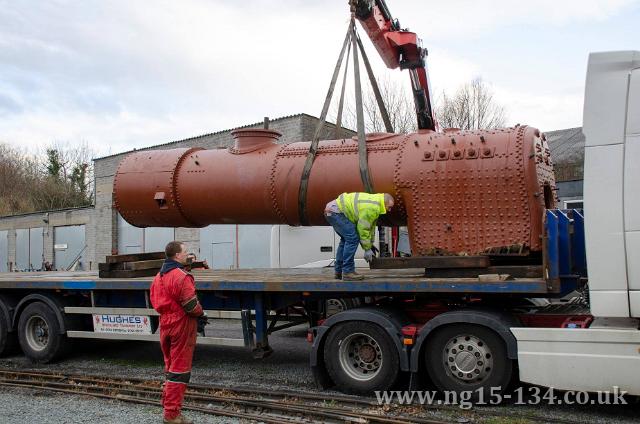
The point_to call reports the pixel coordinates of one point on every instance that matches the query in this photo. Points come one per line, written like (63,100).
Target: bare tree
(398,102)
(59,177)
(472,107)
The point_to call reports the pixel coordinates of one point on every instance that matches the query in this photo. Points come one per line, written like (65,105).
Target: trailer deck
(313,280)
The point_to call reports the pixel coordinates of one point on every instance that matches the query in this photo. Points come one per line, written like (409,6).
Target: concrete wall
(48,221)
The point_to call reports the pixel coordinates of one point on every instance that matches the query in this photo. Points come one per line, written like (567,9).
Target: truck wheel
(8,340)
(336,305)
(39,333)
(360,358)
(467,357)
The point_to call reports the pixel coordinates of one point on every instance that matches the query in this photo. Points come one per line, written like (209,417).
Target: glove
(202,321)
(375,250)
(368,255)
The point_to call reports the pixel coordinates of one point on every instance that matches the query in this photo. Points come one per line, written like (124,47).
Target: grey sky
(122,74)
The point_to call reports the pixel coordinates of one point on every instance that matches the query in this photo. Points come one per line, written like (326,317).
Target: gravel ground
(33,406)
(287,368)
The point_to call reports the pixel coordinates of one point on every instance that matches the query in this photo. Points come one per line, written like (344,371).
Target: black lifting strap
(365,175)
(351,41)
(313,148)
(376,90)
(338,133)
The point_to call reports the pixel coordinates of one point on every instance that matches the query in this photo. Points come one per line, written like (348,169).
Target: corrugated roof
(205,135)
(567,146)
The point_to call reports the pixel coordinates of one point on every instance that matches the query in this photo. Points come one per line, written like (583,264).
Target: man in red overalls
(173,296)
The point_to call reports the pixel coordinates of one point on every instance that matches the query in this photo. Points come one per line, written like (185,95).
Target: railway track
(268,406)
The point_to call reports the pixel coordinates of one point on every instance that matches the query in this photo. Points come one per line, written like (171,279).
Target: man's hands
(202,321)
(368,255)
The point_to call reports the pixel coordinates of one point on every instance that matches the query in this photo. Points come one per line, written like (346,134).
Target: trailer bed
(286,280)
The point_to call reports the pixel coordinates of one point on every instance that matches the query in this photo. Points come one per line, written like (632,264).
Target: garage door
(218,246)
(130,238)
(4,251)
(156,238)
(29,249)
(69,248)
(36,248)
(22,249)
(137,240)
(254,244)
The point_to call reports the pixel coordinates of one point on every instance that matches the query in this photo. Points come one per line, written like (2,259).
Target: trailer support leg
(262,348)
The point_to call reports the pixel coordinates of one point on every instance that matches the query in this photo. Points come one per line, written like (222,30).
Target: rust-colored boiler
(458,191)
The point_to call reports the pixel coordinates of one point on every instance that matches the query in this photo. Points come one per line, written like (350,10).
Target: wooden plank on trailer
(520,271)
(431,262)
(139,265)
(133,257)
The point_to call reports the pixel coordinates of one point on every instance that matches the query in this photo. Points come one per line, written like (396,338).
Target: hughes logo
(119,319)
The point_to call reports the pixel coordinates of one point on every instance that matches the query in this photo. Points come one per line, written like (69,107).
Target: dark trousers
(349,241)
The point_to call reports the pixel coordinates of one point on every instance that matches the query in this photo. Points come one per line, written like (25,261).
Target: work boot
(352,276)
(180,419)
(337,276)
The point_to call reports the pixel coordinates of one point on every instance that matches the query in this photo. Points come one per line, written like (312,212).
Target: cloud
(462,18)
(124,74)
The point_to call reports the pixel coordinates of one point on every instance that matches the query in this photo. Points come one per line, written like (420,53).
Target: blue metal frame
(579,253)
(564,248)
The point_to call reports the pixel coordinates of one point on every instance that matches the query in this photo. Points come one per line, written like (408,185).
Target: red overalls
(173,296)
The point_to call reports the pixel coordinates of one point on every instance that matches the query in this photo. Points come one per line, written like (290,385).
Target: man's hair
(388,199)
(173,248)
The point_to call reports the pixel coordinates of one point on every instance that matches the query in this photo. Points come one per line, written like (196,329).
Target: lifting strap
(376,90)
(351,41)
(338,133)
(313,148)
(365,175)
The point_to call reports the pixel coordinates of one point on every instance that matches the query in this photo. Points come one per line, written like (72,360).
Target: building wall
(80,216)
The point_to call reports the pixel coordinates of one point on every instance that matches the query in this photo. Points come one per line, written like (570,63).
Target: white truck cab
(606,354)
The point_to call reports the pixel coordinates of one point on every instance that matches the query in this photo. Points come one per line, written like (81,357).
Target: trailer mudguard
(54,303)
(391,320)
(496,320)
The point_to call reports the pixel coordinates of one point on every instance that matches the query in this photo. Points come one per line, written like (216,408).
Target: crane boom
(399,49)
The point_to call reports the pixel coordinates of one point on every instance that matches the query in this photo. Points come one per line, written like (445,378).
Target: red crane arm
(398,48)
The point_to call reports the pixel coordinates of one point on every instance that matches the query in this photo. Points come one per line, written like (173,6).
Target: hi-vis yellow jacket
(363,209)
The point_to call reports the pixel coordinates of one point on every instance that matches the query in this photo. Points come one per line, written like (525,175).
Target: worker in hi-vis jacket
(353,216)
(173,296)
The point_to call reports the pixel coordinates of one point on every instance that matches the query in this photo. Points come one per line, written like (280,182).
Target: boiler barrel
(458,191)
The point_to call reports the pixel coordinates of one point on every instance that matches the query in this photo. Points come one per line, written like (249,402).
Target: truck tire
(360,357)
(337,305)
(39,334)
(8,340)
(468,357)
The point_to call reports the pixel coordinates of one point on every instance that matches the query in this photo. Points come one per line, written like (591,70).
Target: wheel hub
(367,353)
(467,358)
(360,356)
(37,333)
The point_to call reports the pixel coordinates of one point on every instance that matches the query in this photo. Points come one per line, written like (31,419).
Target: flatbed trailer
(385,319)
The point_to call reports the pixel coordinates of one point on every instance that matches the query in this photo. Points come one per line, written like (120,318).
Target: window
(574,204)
